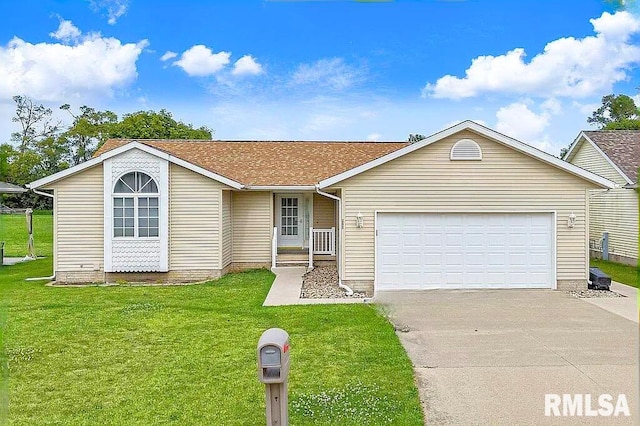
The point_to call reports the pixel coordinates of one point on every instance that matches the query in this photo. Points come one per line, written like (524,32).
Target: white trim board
(124,148)
(484,131)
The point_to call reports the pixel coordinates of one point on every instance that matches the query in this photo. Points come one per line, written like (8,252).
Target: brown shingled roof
(269,163)
(622,147)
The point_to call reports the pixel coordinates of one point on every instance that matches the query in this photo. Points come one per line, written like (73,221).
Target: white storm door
(290,220)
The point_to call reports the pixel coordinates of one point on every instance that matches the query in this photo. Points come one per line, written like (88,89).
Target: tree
(35,121)
(413,138)
(156,125)
(616,112)
(88,131)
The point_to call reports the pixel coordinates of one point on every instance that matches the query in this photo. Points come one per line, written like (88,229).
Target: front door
(290,226)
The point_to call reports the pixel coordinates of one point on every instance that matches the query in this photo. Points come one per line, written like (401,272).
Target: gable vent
(466,149)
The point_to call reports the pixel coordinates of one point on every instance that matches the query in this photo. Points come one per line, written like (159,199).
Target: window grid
(136,215)
(289,216)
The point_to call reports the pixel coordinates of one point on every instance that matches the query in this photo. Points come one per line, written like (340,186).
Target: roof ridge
(247,141)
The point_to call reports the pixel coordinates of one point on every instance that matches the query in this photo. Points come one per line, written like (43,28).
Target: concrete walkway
(287,286)
(8,261)
(626,307)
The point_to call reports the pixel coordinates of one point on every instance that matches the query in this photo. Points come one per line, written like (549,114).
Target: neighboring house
(464,208)
(9,188)
(615,155)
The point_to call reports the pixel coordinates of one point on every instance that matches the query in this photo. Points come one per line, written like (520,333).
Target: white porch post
(332,242)
(274,247)
(311,242)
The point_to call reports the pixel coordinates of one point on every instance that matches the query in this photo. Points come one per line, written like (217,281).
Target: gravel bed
(322,283)
(587,294)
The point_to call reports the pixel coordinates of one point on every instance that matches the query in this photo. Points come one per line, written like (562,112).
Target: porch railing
(323,241)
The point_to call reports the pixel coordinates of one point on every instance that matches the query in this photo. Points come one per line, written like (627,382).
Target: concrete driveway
(490,356)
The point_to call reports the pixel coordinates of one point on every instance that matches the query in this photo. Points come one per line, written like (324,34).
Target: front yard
(624,274)
(186,355)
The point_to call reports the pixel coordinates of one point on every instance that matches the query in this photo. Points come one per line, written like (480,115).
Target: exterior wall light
(571,222)
(359,220)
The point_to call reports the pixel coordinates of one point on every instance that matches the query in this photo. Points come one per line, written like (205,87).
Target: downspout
(52,277)
(339,200)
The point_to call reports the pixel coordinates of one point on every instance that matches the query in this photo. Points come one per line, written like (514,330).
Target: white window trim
(163,222)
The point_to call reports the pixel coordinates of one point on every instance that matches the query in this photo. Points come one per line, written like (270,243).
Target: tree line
(42,145)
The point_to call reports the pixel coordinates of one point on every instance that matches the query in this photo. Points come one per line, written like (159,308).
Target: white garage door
(495,250)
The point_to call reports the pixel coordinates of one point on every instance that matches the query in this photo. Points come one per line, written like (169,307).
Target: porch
(304,231)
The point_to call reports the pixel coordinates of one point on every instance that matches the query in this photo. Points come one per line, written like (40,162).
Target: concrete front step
(292,263)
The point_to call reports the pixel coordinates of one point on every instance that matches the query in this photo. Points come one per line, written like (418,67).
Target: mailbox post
(273,371)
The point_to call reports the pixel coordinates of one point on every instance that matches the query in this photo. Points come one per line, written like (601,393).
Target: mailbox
(273,356)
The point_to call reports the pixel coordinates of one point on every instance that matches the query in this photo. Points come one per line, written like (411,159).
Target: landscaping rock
(587,294)
(322,283)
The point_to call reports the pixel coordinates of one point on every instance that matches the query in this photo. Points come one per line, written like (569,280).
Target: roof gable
(486,132)
(622,147)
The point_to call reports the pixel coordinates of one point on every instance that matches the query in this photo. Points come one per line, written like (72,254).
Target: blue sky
(326,70)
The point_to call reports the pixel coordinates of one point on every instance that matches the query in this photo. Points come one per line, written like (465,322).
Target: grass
(625,274)
(13,231)
(186,355)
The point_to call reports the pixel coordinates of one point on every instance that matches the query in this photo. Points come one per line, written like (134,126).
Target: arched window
(135,206)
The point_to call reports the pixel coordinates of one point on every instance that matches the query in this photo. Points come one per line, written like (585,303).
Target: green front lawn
(187,355)
(629,275)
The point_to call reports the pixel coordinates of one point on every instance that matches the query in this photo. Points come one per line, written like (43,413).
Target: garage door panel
(493,250)
(496,260)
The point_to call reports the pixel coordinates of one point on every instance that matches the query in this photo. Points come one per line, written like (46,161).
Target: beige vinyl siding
(590,159)
(614,211)
(252,226)
(323,212)
(227,229)
(427,181)
(78,222)
(194,220)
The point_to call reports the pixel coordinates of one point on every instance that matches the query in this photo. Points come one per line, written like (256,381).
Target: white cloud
(320,123)
(374,137)
(66,32)
(518,121)
(586,109)
(247,66)
(168,55)
(200,61)
(331,73)
(113,9)
(567,66)
(552,105)
(56,72)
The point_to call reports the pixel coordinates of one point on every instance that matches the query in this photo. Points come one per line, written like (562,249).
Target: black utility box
(599,280)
